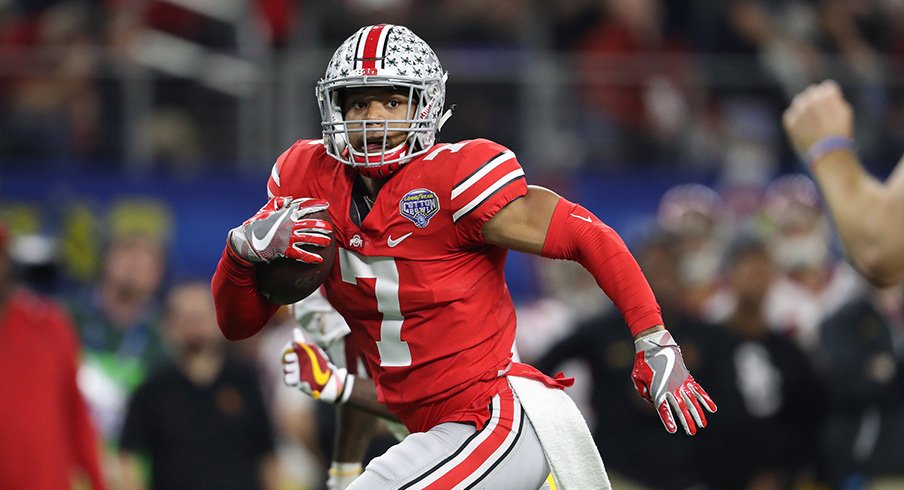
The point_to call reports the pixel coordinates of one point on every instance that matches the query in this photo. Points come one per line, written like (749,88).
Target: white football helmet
(383,55)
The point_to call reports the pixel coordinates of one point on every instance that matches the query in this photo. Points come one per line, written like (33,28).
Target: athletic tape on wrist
(346,389)
(827,145)
(345,469)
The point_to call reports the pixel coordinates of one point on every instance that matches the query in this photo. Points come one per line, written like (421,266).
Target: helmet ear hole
(339,98)
(434,90)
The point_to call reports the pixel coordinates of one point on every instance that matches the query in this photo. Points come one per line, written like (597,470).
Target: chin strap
(362,158)
(378,171)
(445,117)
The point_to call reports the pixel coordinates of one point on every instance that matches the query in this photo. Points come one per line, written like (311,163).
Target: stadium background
(183,105)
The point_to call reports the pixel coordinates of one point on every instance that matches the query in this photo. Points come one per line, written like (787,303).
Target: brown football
(285,281)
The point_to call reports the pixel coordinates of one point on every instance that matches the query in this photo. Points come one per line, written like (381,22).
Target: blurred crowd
(601,84)
(802,356)
(136,386)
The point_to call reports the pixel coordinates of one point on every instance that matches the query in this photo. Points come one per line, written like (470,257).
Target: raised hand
(817,113)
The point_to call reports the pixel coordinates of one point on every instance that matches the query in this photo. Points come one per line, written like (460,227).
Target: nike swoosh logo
(585,218)
(320,376)
(392,243)
(263,242)
(669,365)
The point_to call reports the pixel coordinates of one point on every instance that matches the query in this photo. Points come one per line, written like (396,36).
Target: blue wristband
(827,145)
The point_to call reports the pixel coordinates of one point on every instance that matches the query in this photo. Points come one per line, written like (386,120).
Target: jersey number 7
(393,350)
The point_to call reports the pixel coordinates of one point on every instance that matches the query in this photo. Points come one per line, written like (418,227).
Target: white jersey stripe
(510,440)
(504,157)
(473,444)
(504,180)
(274,174)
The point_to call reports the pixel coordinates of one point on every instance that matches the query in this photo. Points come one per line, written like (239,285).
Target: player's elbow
(234,330)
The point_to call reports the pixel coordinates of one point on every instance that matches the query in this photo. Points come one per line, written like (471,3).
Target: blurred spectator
(51,99)
(194,71)
(201,421)
(694,215)
(782,35)
(571,20)
(48,440)
(812,282)
(770,414)
(635,449)
(634,77)
(280,20)
(477,24)
(858,34)
(117,320)
(567,296)
(692,83)
(38,262)
(861,344)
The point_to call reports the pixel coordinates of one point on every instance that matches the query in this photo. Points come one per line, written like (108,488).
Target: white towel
(570,451)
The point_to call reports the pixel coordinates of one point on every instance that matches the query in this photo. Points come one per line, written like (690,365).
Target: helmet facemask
(407,65)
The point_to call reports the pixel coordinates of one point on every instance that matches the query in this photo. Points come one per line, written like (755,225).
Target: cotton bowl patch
(419,205)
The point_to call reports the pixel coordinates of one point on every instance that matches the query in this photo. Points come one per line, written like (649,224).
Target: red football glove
(279,229)
(661,377)
(308,368)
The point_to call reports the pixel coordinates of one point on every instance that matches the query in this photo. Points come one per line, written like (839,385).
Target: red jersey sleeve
(241,310)
(487,177)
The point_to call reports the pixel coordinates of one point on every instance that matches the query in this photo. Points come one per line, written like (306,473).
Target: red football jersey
(424,295)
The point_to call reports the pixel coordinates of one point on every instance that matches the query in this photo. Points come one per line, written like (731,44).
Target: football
(285,281)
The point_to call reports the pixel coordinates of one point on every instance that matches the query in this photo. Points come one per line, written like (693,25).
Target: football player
(355,424)
(422,230)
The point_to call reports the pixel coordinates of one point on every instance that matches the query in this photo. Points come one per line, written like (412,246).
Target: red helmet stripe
(373,42)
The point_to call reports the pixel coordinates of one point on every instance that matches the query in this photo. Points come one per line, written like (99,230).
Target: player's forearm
(576,234)
(241,311)
(268,472)
(130,468)
(354,430)
(364,397)
(864,214)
